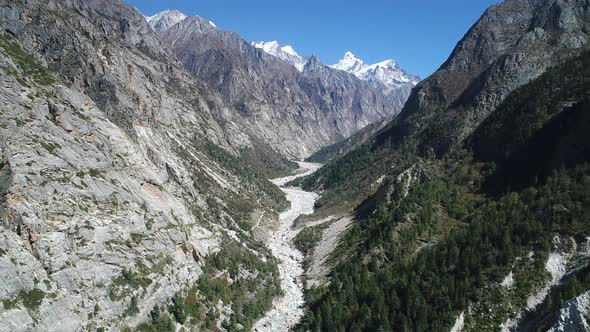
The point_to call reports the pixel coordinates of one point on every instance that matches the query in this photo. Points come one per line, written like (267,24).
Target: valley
(162,173)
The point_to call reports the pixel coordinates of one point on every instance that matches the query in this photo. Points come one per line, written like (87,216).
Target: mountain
(165,19)
(285,53)
(386,76)
(127,186)
(471,204)
(296,112)
(134,167)
(500,53)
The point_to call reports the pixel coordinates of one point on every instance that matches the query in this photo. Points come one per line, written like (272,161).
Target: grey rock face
(298,113)
(109,201)
(573,315)
(512,43)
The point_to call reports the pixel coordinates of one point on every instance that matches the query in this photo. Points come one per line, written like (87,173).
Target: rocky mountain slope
(472,204)
(297,112)
(127,188)
(511,44)
(343,147)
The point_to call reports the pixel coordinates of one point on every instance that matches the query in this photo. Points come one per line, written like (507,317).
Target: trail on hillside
(288,309)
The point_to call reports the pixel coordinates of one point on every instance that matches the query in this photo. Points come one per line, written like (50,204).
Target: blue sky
(419,34)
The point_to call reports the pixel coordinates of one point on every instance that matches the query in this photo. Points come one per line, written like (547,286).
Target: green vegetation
(306,240)
(125,283)
(51,147)
(538,129)
(403,288)
(132,309)
(158,322)
(27,64)
(31,299)
(342,147)
(255,284)
(10,304)
(129,280)
(415,263)
(95,173)
(327,153)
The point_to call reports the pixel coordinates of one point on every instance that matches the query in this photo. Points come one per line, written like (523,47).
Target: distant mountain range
(386,74)
(297,103)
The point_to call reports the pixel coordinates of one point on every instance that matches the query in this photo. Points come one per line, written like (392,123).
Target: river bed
(287,310)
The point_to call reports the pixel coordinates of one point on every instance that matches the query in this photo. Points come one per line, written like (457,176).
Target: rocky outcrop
(297,112)
(573,315)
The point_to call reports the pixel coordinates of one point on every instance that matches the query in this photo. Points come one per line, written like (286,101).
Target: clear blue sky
(419,34)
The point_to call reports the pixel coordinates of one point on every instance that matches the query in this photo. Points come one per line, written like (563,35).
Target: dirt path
(288,310)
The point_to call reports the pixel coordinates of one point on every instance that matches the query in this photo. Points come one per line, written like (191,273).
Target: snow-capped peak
(387,72)
(350,63)
(289,50)
(164,20)
(285,53)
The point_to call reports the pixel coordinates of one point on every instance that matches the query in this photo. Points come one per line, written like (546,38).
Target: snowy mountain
(164,20)
(387,73)
(285,53)
(350,63)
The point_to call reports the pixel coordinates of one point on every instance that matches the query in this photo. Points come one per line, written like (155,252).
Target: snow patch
(165,19)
